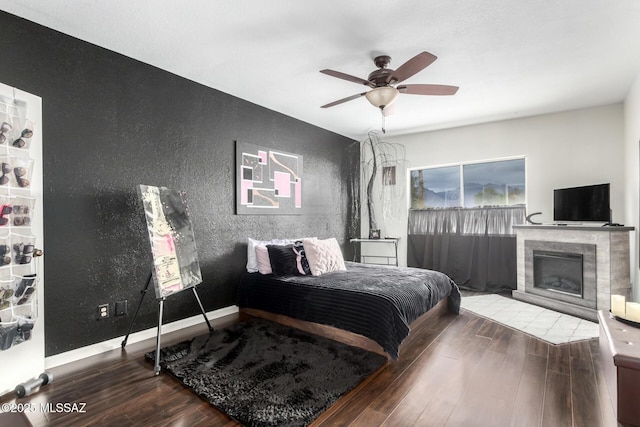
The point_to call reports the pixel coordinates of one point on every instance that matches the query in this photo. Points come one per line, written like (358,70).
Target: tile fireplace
(572,269)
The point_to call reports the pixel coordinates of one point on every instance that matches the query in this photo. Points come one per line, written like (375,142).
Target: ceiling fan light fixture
(380,97)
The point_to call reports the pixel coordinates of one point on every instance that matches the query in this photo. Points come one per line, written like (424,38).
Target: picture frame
(268,181)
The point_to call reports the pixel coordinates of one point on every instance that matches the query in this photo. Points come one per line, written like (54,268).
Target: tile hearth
(548,325)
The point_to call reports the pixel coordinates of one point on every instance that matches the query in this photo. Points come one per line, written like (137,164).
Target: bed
(375,306)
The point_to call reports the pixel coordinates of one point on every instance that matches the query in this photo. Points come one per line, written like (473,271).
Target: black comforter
(378,302)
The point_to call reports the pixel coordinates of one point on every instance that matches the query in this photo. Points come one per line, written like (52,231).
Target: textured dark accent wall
(111,123)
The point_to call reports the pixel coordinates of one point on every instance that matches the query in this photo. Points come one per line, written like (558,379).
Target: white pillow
(252,262)
(324,256)
(264,262)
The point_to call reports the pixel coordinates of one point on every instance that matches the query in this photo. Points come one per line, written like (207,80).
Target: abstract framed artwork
(268,181)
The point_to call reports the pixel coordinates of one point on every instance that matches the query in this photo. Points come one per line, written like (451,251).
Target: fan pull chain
(382,113)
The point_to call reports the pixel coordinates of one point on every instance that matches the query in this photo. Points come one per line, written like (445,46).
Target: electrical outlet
(121,308)
(103,311)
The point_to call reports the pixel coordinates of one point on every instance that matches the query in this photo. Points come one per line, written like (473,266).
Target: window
(495,183)
(435,188)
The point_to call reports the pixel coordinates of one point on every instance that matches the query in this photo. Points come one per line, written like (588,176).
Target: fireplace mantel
(612,264)
(590,228)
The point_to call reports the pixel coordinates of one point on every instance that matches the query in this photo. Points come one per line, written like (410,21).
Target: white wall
(572,148)
(632,176)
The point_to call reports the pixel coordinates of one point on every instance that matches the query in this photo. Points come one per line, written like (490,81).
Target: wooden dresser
(620,360)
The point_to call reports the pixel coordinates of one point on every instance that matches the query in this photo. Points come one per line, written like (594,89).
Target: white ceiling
(510,58)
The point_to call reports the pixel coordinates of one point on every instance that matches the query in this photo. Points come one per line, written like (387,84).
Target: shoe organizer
(5,251)
(21,211)
(8,328)
(16,324)
(6,294)
(25,316)
(24,287)
(22,248)
(15,132)
(16,172)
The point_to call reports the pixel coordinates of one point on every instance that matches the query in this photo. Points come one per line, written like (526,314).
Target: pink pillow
(262,256)
(324,256)
(252,262)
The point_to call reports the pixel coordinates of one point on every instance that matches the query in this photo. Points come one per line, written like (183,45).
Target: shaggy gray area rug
(264,374)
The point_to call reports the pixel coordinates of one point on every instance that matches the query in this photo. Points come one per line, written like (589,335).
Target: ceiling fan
(384,82)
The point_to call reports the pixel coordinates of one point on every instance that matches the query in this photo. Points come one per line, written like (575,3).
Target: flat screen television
(587,203)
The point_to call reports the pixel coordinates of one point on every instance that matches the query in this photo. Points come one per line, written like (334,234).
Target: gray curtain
(476,247)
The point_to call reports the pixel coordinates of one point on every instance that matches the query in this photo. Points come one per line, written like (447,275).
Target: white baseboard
(104,346)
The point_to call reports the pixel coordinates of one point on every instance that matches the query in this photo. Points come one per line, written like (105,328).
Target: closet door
(21,235)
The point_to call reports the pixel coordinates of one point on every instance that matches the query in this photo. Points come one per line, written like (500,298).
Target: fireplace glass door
(558,272)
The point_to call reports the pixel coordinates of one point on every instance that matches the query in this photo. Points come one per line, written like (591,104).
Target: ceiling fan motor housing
(379,77)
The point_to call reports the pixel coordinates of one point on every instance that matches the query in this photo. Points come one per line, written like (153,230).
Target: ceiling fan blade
(428,89)
(347,77)
(340,101)
(411,67)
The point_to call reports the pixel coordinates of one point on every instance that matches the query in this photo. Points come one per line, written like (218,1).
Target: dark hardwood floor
(461,371)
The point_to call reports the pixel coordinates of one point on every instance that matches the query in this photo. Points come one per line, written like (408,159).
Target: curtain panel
(476,247)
